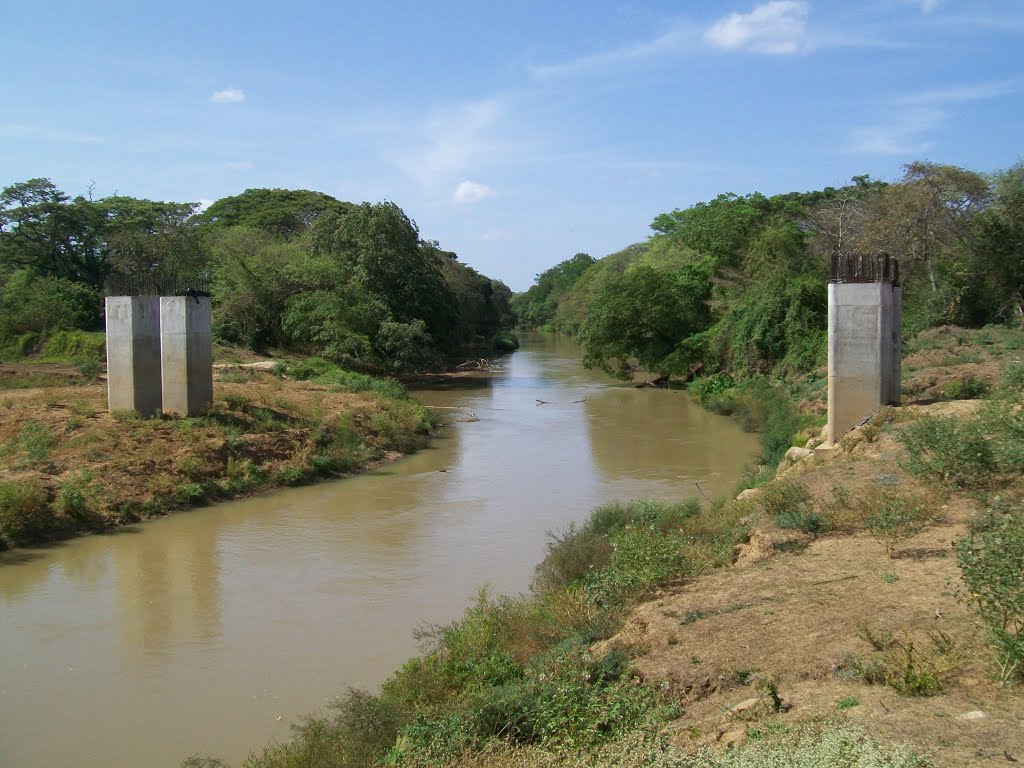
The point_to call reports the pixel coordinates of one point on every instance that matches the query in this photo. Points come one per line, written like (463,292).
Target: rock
(812,443)
(796,454)
(750,493)
(744,706)
(757,549)
(732,737)
(974,714)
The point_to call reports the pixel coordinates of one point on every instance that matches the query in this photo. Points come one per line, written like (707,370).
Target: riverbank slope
(865,598)
(69,466)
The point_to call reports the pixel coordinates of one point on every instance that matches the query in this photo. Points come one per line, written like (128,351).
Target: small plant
(293,475)
(82,408)
(905,666)
(892,518)
(76,498)
(791,506)
(125,415)
(35,440)
(890,578)
(991,560)
(191,467)
(90,368)
(25,517)
(847,702)
(190,493)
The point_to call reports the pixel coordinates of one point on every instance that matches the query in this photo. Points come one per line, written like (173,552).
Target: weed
(790,505)
(76,498)
(191,467)
(293,476)
(892,518)
(25,515)
(906,667)
(82,408)
(36,441)
(125,415)
(190,493)
(847,702)
(965,388)
(890,578)
(991,560)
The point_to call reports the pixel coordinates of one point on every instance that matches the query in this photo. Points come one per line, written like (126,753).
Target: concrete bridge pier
(864,341)
(186,350)
(133,354)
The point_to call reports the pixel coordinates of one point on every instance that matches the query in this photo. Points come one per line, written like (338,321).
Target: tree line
(739,284)
(287,269)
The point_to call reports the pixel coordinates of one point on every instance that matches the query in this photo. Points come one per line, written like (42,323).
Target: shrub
(991,560)
(892,517)
(790,505)
(956,453)
(76,498)
(74,347)
(35,440)
(760,406)
(711,386)
(505,342)
(907,667)
(25,516)
(190,493)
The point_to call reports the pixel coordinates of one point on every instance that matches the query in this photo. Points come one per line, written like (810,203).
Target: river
(210,630)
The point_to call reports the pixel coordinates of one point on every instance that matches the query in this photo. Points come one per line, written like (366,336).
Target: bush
(505,342)
(991,560)
(25,516)
(891,518)
(579,550)
(761,407)
(976,452)
(76,498)
(711,386)
(790,505)
(74,347)
(35,440)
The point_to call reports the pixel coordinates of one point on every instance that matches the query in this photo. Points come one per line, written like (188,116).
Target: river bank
(71,467)
(822,615)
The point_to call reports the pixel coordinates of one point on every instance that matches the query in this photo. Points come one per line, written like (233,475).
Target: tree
(44,230)
(283,212)
(641,316)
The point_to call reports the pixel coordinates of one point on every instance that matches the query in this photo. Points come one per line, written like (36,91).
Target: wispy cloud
(907,118)
(899,133)
(43,133)
(681,37)
(237,165)
(927,6)
(453,142)
(496,235)
(228,96)
(471,192)
(776,27)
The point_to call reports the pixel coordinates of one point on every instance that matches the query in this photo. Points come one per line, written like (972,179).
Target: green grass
(25,515)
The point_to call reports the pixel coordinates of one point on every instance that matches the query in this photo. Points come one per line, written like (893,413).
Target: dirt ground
(799,612)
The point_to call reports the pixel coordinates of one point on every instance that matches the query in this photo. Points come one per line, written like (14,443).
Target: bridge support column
(186,350)
(133,354)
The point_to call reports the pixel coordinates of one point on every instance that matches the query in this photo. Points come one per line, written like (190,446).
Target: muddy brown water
(209,631)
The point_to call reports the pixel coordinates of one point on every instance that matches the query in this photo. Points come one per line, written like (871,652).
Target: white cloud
(898,134)
(470,192)
(228,96)
(927,6)
(237,165)
(452,142)
(676,40)
(776,27)
(902,131)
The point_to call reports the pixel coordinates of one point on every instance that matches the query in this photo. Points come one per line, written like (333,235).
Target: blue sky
(516,134)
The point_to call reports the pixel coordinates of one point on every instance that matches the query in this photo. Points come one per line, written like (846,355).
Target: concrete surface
(186,351)
(133,354)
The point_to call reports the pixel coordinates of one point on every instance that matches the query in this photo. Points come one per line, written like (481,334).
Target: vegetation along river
(211,630)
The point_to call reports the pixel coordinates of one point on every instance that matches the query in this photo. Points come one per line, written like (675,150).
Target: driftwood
(480,364)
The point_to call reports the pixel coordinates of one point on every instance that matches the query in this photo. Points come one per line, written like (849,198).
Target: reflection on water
(212,629)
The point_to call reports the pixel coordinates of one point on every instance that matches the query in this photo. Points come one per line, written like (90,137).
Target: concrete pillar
(186,351)
(864,352)
(133,354)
